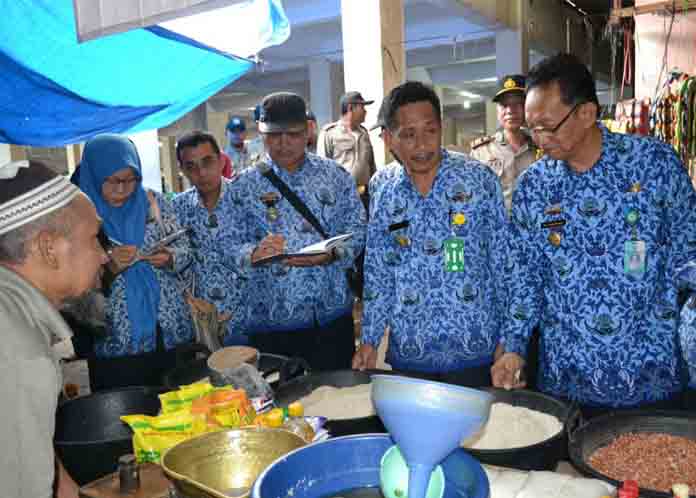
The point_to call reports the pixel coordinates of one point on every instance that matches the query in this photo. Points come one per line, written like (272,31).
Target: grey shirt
(30,382)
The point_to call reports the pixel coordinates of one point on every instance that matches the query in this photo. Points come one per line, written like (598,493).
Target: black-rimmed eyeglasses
(540,131)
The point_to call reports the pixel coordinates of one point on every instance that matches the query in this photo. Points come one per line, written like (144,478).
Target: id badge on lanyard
(635,254)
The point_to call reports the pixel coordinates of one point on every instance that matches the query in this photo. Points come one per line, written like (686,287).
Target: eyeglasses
(118,182)
(540,131)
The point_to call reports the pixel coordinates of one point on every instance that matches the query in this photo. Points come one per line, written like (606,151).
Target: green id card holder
(454,254)
(634,257)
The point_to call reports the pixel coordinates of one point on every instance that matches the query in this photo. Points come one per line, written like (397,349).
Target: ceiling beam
(451,53)
(457,73)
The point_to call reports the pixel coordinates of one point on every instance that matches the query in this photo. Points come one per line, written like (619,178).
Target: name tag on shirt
(398,226)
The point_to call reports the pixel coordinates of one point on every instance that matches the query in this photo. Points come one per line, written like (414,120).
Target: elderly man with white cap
(49,254)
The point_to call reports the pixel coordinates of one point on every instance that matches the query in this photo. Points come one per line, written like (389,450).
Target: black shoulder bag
(355,277)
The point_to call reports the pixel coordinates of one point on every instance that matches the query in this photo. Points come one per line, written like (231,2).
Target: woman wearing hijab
(145,311)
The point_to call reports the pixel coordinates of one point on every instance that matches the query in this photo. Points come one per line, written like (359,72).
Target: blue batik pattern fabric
(285,298)
(687,324)
(173,314)
(609,338)
(214,277)
(439,321)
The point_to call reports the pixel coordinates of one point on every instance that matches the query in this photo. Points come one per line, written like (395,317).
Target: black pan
(89,434)
(303,386)
(601,431)
(544,455)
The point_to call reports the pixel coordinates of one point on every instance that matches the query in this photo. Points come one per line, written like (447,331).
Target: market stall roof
(56,91)
(105,17)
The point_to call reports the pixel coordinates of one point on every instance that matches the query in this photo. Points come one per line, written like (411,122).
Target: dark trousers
(469,377)
(144,369)
(690,400)
(325,348)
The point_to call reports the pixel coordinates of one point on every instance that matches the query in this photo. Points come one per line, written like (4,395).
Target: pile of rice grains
(655,460)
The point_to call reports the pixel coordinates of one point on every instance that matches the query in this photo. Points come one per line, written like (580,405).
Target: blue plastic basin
(350,462)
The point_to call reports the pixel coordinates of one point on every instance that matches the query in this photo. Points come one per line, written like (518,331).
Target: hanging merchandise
(673,117)
(631,116)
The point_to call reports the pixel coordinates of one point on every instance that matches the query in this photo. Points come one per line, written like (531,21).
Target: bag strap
(292,198)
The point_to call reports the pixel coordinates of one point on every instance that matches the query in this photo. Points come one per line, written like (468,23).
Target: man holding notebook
(298,305)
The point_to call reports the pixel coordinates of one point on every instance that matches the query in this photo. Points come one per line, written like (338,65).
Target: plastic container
(337,465)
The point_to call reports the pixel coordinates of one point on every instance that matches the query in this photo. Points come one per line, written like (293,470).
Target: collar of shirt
(43,314)
(609,141)
(284,173)
(445,163)
(223,189)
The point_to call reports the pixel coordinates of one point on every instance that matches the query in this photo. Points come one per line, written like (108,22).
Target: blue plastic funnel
(427,420)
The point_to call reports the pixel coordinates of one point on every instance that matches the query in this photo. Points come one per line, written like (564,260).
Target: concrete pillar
(511,52)
(73,154)
(325,90)
(5,154)
(147,143)
(512,45)
(216,123)
(374,59)
(18,152)
(170,170)
(449,129)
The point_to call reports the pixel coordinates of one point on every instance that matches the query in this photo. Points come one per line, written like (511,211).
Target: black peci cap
(282,111)
(354,98)
(511,83)
(381,119)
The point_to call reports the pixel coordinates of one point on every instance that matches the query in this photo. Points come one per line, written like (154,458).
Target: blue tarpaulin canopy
(56,91)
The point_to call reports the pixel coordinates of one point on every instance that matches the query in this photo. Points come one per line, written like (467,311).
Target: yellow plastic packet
(152,436)
(182,398)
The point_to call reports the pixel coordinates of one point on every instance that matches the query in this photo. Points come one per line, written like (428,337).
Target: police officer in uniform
(347,142)
(510,150)
(243,153)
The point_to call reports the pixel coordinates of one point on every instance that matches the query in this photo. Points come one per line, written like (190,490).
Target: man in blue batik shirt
(300,306)
(434,250)
(600,226)
(686,281)
(205,209)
